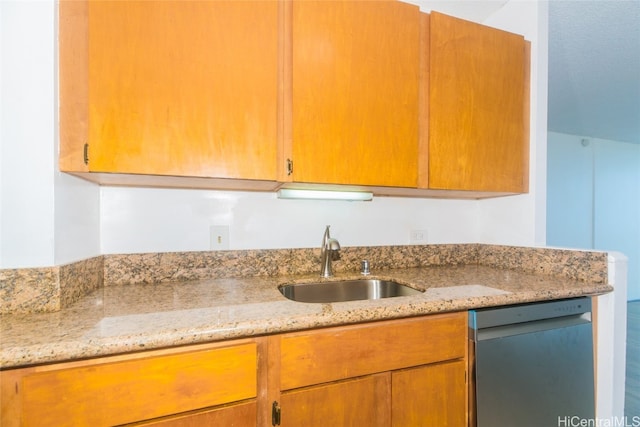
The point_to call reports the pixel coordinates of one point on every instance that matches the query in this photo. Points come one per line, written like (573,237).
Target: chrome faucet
(329,251)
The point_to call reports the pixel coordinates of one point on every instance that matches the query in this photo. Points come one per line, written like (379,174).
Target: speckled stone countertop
(127,318)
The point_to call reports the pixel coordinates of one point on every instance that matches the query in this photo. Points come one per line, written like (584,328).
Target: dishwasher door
(534,364)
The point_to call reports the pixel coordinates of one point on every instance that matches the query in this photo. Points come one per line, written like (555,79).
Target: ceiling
(594,63)
(594,68)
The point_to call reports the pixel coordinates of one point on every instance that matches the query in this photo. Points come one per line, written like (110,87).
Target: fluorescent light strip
(291,193)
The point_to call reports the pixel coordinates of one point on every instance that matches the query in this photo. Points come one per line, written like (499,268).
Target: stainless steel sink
(347,290)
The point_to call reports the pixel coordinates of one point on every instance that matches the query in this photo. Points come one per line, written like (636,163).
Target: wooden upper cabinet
(478,107)
(184,88)
(355,76)
(228,93)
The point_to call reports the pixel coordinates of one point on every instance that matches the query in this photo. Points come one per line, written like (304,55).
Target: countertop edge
(334,314)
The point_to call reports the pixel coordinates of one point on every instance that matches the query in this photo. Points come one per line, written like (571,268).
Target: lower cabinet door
(352,403)
(432,395)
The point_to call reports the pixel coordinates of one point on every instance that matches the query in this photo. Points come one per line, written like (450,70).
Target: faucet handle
(326,236)
(364,270)
(328,252)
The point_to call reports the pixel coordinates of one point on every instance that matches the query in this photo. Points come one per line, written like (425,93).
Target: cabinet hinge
(289,167)
(275,414)
(86,154)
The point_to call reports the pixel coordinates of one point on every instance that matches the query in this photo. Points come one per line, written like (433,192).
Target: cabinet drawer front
(134,390)
(338,353)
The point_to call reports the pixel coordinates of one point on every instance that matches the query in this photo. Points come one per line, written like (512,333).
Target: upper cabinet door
(185,88)
(355,77)
(478,120)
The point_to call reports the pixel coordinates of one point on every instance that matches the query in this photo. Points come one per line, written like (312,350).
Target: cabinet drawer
(125,391)
(337,353)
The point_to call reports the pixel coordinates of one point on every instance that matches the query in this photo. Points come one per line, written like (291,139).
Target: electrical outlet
(219,237)
(418,237)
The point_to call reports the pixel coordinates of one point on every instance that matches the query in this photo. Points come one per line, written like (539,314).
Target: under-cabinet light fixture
(291,193)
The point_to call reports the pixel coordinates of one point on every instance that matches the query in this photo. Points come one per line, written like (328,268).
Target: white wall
(50,218)
(594,198)
(149,220)
(47,218)
(522,219)
(611,340)
(570,192)
(27,130)
(617,200)
(1,135)
(77,219)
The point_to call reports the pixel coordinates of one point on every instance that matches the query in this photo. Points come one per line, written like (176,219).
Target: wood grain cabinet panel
(432,395)
(125,391)
(239,415)
(224,94)
(178,88)
(333,354)
(478,107)
(355,77)
(406,372)
(354,403)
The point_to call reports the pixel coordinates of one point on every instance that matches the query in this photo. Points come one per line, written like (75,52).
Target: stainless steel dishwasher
(533,364)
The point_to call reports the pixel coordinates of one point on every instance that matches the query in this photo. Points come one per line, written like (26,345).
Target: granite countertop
(127,318)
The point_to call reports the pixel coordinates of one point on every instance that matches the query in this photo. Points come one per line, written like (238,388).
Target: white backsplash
(152,220)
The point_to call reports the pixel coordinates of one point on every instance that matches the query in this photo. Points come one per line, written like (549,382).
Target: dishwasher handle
(503,331)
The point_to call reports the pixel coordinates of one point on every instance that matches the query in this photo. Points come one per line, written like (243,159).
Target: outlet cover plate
(418,237)
(219,237)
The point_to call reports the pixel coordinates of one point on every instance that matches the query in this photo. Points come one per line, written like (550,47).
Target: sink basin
(347,290)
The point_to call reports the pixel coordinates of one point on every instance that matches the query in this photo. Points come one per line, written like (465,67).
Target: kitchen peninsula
(232,297)
(138,308)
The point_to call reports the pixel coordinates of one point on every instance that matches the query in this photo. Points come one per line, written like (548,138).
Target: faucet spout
(329,250)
